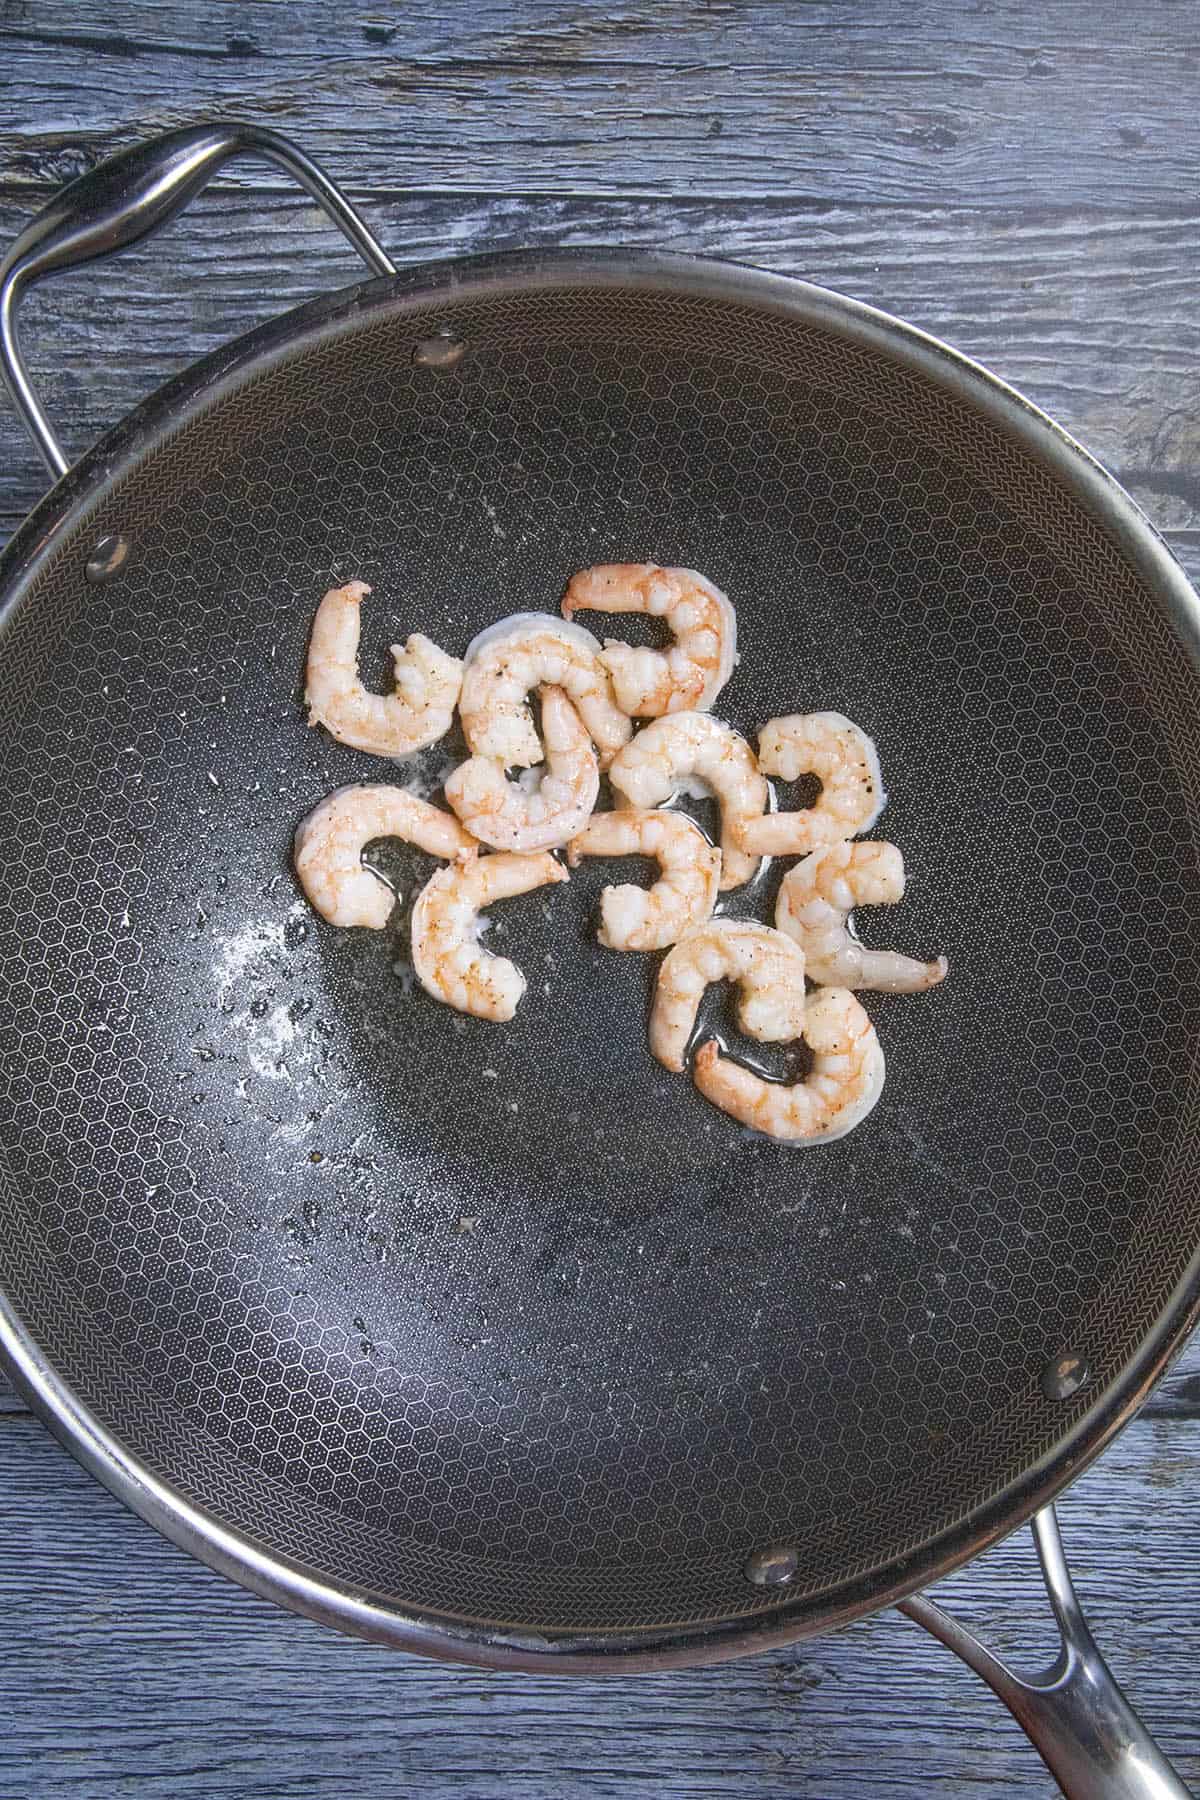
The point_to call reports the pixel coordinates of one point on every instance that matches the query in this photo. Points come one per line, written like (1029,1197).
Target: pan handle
(124,199)
(1074,1714)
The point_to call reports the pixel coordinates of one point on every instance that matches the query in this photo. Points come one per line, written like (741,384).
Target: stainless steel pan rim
(443,288)
(358,1614)
(453,282)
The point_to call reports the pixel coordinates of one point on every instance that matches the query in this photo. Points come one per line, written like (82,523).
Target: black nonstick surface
(503,1324)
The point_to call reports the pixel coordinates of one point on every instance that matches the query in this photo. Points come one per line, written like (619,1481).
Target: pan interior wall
(503,1322)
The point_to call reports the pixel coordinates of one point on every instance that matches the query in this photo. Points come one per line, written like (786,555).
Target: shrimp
(518,815)
(427,683)
(634,918)
(450,962)
(660,760)
(688,676)
(767,967)
(833,747)
(508,660)
(814,905)
(328,846)
(845,1081)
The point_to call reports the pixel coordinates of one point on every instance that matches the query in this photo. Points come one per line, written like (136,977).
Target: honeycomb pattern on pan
(507,1325)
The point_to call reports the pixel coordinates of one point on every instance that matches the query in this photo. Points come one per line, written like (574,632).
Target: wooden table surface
(1019,179)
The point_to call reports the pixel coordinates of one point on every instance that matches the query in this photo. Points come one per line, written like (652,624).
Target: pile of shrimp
(644,718)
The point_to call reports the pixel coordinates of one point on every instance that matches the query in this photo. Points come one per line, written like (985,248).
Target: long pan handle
(1075,1715)
(124,199)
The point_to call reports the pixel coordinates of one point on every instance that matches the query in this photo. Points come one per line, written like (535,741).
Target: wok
(499,1344)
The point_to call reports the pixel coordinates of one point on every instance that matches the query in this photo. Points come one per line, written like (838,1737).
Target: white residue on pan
(267,1045)
(423,773)
(235,951)
(295,1132)
(245,963)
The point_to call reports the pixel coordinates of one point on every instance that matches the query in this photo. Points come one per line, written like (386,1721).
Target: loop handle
(123,200)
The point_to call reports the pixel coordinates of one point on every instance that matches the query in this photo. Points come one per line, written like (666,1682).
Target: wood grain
(1018,180)
(1093,317)
(891,103)
(129,1669)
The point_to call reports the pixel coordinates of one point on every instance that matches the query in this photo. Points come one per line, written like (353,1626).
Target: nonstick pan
(498,1343)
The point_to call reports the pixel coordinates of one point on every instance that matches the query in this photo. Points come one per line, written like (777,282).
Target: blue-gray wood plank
(1017,178)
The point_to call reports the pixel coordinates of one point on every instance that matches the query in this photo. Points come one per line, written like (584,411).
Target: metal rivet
(1064,1375)
(441,351)
(108,558)
(771,1567)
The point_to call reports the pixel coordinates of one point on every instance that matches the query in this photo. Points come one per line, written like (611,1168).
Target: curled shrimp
(814,906)
(427,683)
(674,751)
(688,676)
(634,918)
(507,661)
(842,756)
(328,846)
(767,967)
(843,1084)
(450,962)
(510,817)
